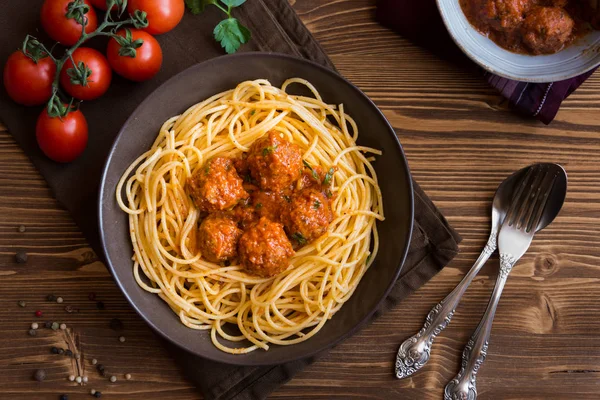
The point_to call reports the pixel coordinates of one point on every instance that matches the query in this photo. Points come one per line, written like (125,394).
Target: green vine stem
(77,10)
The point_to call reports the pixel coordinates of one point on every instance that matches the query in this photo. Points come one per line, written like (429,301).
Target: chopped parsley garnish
(329,176)
(328,193)
(287,198)
(317,204)
(207,169)
(298,237)
(252,112)
(312,170)
(268,150)
(258,206)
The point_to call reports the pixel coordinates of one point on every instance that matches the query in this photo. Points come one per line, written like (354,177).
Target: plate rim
(243,361)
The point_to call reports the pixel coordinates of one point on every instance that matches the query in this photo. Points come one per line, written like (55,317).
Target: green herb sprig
(230,33)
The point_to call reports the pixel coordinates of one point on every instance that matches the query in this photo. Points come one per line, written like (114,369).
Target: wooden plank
(461,141)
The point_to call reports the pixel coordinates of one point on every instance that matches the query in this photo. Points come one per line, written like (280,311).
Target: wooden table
(461,141)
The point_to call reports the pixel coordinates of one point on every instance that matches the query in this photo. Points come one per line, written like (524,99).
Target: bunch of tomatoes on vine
(34,75)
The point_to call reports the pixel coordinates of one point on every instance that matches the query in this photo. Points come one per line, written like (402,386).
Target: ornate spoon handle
(464,385)
(414,352)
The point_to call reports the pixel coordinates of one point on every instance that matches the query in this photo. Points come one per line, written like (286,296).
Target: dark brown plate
(200,82)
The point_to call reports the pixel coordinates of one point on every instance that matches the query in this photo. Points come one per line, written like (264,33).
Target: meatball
(274,162)
(309,216)
(218,238)
(272,205)
(502,15)
(217,186)
(547,29)
(264,249)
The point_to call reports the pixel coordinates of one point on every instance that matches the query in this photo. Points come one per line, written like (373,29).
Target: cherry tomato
(144,65)
(62,139)
(65,30)
(163,15)
(97,83)
(27,82)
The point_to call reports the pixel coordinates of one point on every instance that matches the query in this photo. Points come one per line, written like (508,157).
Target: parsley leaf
(231,34)
(287,198)
(233,3)
(268,150)
(329,176)
(314,173)
(317,204)
(258,206)
(197,6)
(298,237)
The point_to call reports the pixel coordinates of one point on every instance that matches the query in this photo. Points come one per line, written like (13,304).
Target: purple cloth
(420,22)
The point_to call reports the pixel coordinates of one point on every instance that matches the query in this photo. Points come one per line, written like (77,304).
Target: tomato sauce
(532,26)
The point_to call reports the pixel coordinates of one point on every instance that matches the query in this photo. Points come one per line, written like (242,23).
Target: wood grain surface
(461,141)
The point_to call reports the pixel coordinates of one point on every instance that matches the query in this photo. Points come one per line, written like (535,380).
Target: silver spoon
(414,352)
(537,201)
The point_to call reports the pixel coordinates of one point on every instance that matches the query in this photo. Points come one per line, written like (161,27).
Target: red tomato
(62,140)
(163,15)
(97,83)
(144,65)
(65,30)
(26,82)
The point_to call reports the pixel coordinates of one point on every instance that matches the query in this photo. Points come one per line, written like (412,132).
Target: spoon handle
(414,352)
(464,385)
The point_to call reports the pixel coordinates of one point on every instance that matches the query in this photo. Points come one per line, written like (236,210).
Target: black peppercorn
(21,257)
(61,351)
(100,368)
(64,397)
(98,394)
(54,350)
(48,325)
(33,332)
(100,305)
(39,375)
(68,353)
(51,297)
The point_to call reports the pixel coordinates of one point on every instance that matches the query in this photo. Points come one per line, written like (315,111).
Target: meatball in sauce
(264,249)
(261,205)
(530,26)
(274,162)
(217,186)
(218,237)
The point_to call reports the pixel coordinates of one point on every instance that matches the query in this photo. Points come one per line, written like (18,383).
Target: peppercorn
(92,296)
(70,309)
(122,339)
(34,325)
(63,326)
(55,326)
(85,379)
(48,325)
(39,375)
(64,397)
(98,394)
(61,351)
(94,361)
(128,376)
(68,353)
(116,324)
(32,332)
(59,300)
(54,350)
(93,392)
(113,379)
(78,379)
(21,303)
(72,378)
(51,297)
(21,257)
(100,305)
(22,228)
(100,368)
(39,313)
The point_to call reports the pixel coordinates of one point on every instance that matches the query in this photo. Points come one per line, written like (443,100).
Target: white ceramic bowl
(579,57)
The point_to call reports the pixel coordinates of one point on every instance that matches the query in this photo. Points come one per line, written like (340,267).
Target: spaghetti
(294,305)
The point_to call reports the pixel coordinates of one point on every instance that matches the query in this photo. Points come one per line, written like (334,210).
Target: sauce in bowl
(532,26)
